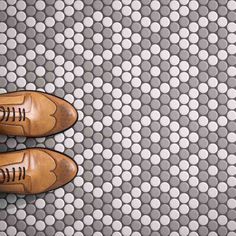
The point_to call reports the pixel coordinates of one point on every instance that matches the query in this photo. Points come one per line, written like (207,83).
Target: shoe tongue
(1,177)
(1,113)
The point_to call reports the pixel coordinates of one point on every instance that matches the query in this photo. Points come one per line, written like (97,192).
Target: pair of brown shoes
(36,170)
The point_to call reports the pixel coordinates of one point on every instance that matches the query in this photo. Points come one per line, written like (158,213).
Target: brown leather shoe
(34,114)
(35,170)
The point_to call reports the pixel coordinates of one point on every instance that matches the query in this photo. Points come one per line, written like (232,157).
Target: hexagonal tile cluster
(154,85)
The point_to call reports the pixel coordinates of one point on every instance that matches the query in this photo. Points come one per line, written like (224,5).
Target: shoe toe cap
(65,171)
(66,116)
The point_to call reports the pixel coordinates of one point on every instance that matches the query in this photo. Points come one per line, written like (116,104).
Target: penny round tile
(153,84)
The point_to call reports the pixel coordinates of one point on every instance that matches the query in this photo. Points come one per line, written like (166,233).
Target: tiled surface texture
(154,85)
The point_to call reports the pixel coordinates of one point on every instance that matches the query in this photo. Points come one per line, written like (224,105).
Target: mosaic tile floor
(154,85)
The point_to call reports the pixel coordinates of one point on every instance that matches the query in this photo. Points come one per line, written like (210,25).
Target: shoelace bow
(7,111)
(7,174)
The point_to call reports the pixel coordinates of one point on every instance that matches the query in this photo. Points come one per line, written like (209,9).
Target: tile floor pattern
(154,85)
